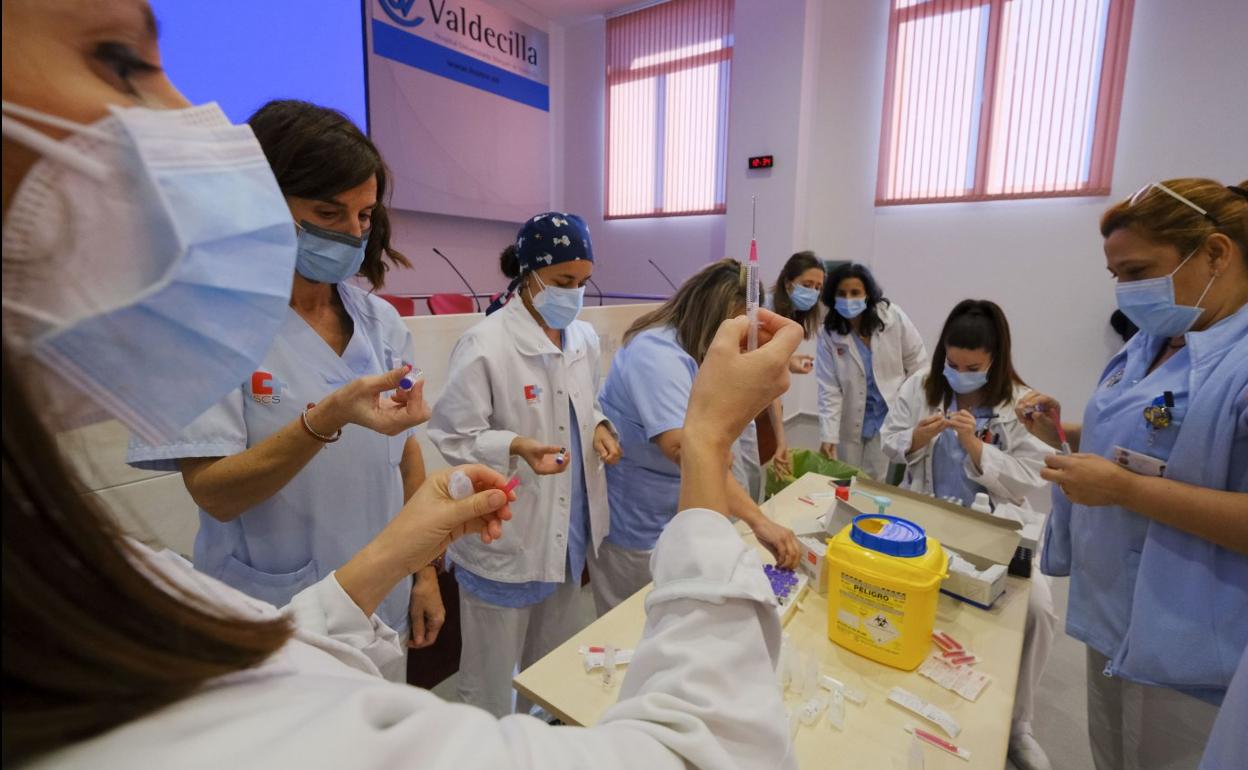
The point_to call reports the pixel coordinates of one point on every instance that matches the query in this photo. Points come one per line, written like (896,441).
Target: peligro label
(872,614)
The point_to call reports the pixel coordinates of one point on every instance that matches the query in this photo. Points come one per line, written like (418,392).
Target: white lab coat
(507,379)
(897,352)
(700,691)
(1008,473)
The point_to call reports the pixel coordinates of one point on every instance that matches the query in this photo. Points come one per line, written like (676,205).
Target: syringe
(751,279)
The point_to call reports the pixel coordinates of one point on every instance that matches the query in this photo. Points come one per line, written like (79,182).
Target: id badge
(1140,463)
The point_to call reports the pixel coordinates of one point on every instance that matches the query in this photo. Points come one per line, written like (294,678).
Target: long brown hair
(699,306)
(1161,218)
(975,324)
(796,265)
(90,641)
(316,152)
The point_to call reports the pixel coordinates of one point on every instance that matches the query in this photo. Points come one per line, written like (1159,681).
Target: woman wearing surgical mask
(867,348)
(955,430)
(116,656)
(795,296)
(314,453)
(646,395)
(521,397)
(1150,515)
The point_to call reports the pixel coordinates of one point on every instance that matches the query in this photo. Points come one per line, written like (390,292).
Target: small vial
(409,380)
(783,674)
(812,710)
(836,710)
(562,457)
(608,667)
(810,676)
(795,670)
(460,486)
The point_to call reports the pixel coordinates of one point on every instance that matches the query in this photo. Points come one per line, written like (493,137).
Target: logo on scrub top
(399,10)
(532,394)
(266,389)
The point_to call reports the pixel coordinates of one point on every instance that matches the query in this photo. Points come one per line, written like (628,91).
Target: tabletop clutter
(880,568)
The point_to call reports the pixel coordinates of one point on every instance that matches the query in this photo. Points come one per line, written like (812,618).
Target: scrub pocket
(276,588)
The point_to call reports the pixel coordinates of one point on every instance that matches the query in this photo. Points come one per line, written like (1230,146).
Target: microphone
(597,289)
(471,290)
(669,280)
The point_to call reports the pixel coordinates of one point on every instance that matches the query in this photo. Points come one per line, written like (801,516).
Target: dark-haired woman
(521,396)
(868,347)
(955,429)
(290,475)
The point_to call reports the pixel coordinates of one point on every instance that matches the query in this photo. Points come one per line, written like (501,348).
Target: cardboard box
(980,538)
(985,541)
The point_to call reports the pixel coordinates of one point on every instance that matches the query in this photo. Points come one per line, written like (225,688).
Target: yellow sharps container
(884,576)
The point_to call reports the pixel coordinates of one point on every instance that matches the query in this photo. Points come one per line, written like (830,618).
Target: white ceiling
(570,9)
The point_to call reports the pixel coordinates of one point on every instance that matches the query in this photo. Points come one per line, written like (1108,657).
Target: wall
(1041,259)
(680,245)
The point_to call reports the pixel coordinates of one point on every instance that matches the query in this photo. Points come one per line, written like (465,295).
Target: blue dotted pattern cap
(551,238)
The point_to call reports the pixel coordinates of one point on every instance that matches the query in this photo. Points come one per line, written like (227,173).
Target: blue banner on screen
(424,54)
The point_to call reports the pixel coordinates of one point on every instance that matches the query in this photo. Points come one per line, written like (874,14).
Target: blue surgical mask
(804,297)
(558,307)
(1150,304)
(965,382)
(328,256)
(147,264)
(850,308)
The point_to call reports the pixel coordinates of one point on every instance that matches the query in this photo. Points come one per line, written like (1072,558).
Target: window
(995,99)
(667,109)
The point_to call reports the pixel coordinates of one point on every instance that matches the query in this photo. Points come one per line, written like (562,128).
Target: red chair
(405,305)
(449,304)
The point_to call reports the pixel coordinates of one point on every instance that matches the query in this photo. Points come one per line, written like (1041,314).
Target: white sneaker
(1026,754)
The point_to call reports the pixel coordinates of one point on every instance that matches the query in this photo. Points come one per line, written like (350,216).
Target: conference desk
(874,735)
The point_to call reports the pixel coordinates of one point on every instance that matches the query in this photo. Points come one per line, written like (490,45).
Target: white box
(813,562)
(978,587)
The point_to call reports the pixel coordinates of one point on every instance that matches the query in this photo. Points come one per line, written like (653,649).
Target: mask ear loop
(50,148)
(1208,286)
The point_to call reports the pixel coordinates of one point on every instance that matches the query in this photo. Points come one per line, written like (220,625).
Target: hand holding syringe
(1042,416)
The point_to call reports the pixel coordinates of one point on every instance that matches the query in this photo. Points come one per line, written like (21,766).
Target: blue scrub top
(949,474)
(517,595)
(336,503)
(645,394)
(1141,593)
(877,407)
(1097,614)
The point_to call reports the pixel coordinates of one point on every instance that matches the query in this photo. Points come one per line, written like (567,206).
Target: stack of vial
(783,581)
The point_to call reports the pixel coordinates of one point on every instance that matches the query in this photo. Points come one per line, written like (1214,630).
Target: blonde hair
(1161,218)
(699,306)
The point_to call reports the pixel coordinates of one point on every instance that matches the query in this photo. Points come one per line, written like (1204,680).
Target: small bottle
(982,503)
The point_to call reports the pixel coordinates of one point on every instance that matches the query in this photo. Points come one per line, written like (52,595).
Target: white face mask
(147,265)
